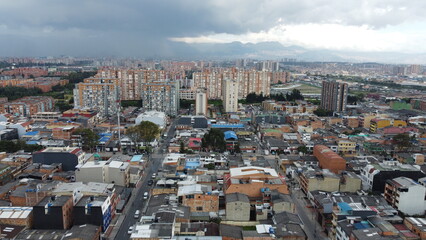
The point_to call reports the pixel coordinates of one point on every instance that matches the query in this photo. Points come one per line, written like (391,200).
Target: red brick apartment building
(28,106)
(329,159)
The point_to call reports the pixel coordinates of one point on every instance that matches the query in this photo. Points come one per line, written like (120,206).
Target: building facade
(230,95)
(406,195)
(334,96)
(115,172)
(201,102)
(237,207)
(94,210)
(101,94)
(161,96)
(53,212)
(329,159)
(68,157)
(28,106)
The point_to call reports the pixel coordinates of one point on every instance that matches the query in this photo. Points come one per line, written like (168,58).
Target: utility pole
(118,123)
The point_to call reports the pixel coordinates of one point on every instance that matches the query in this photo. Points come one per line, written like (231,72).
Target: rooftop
(55,201)
(247,171)
(237,197)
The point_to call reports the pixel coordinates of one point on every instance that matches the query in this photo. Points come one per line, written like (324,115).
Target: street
(310,225)
(138,203)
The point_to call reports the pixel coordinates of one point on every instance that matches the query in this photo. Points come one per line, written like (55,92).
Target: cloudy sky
(155,28)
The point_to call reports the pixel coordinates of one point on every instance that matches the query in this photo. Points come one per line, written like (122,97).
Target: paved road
(138,204)
(311,226)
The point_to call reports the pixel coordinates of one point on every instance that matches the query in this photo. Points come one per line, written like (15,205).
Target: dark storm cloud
(141,28)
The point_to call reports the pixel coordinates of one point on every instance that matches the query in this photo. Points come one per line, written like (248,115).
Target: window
(199,208)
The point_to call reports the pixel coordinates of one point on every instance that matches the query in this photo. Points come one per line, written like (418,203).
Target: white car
(130,230)
(145,195)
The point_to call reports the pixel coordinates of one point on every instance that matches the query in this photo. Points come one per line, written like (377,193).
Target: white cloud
(331,36)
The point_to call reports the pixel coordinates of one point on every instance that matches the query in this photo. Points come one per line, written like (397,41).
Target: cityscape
(221,120)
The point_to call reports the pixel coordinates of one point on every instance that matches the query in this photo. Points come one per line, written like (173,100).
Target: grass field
(303,88)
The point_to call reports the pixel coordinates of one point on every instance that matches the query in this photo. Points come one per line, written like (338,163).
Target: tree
(237,148)
(402,141)
(63,106)
(294,95)
(254,98)
(210,166)
(13,146)
(134,134)
(149,131)
(214,140)
(89,139)
(323,113)
(302,149)
(182,147)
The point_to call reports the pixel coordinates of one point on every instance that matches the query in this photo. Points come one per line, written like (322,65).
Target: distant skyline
(161,28)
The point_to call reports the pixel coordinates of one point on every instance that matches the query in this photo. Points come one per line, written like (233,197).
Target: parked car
(130,230)
(145,195)
(150,182)
(137,213)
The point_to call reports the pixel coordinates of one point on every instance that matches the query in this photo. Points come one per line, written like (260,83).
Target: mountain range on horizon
(275,50)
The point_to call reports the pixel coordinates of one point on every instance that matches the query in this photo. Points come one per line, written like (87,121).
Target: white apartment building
(406,195)
(201,102)
(115,172)
(230,95)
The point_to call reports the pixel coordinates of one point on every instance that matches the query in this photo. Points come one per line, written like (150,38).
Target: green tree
(214,140)
(134,134)
(13,146)
(13,93)
(237,148)
(89,139)
(131,103)
(185,104)
(149,131)
(323,113)
(210,166)
(63,106)
(77,77)
(254,98)
(402,141)
(294,95)
(182,147)
(303,149)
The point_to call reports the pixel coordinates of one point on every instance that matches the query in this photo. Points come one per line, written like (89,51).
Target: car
(130,230)
(145,195)
(137,213)
(154,175)
(150,182)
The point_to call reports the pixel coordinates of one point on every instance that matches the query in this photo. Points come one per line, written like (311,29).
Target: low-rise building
(54,212)
(115,172)
(17,216)
(68,157)
(95,210)
(28,106)
(199,198)
(251,180)
(416,225)
(158,118)
(327,181)
(406,195)
(237,207)
(329,159)
(375,175)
